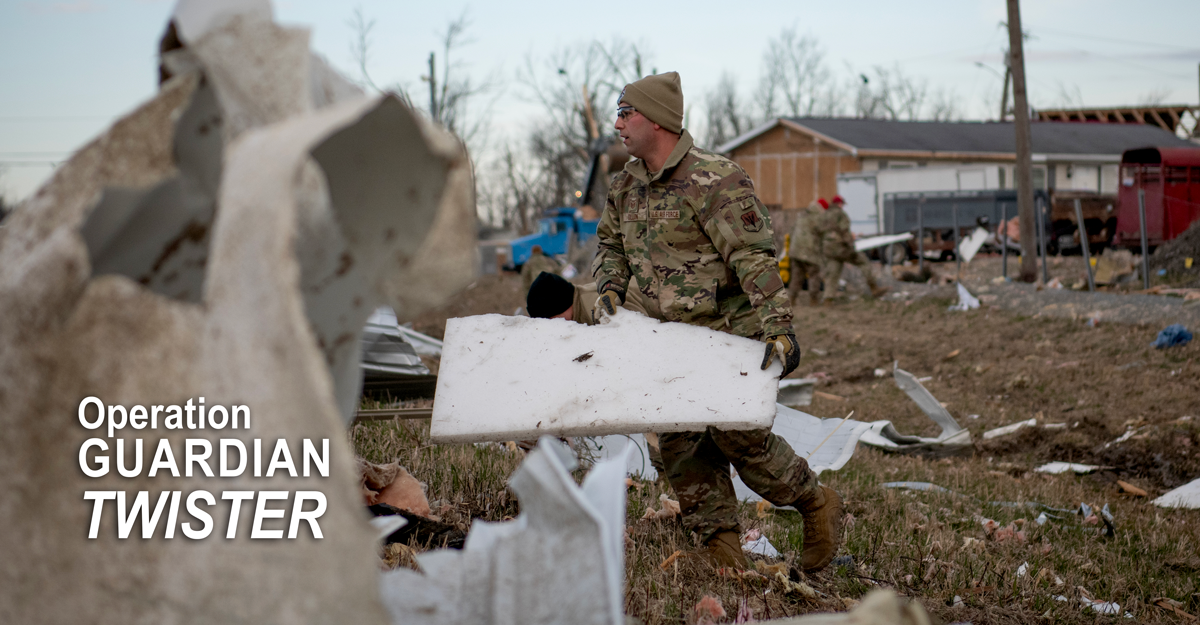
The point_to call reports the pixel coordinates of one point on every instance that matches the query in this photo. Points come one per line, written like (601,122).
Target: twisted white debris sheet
(227,239)
(562,560)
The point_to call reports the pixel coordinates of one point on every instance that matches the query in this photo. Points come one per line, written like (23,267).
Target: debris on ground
(796,392)
(966,301)
(393,485)
(387,525)
(1172,336)
(953,440)
(708,611)
(863,244)
(1114,266)
(1009,429)
(1186,496)
(669,560)
(1055,468)
(760,546)
(970,245)
(669,509)
(1173,255)
(421,529)
(1173,606)
(1126,487)
(918,486)
(561,560)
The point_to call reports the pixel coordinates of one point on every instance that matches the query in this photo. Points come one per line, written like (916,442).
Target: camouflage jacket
(585,300)
(837,243)
(806,235)
(533,267)
(695,242)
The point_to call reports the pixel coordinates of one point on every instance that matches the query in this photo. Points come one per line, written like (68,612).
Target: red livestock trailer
(1170,178)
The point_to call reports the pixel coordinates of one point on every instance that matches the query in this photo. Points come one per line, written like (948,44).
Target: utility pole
(433,108)
(1007,80)
(1016,63)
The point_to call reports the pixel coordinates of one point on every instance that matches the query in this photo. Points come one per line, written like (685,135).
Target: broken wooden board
(513,378)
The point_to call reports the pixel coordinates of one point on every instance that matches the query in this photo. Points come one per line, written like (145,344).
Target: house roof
(866,137)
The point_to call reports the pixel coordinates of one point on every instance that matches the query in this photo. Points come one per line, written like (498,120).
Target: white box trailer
(864,191)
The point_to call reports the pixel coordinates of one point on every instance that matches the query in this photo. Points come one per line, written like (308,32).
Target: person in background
(805,252)
(537,263)
(837,246)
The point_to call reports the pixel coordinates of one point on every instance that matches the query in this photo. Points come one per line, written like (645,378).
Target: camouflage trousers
(833,272)
(801,271)
(697,466)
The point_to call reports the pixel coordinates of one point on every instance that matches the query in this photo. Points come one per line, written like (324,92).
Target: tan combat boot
(822,514)
(725,549)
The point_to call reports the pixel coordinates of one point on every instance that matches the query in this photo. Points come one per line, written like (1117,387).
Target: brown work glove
(788,350)
(610,298)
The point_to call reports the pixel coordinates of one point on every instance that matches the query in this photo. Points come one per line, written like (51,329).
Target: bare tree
(452,91)
(1154,97)
(726,116)
(577,88)
(795,80)
(360,47)
(1068,96)
(449,101)
(944,107)
(578,81)
(891,94)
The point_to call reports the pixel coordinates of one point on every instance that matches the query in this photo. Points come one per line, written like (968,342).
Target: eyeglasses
(625,112)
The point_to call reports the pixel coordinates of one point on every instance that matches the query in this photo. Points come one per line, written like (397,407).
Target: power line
(1118,59)
(1115,40)
(53,118)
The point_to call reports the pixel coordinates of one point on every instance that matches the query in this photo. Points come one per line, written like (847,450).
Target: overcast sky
(68,68)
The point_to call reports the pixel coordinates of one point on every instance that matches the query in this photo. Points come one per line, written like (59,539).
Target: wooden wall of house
(781,163)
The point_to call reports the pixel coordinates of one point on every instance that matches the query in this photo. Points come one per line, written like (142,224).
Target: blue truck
(559,231)
(563,230)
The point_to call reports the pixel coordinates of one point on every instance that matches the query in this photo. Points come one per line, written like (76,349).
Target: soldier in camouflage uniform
(837,245)
(683,228)
(805,253)
(537,263)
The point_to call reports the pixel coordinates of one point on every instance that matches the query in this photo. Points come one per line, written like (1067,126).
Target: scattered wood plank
(829,396)
(387,414)
(1131,489)
(666,564)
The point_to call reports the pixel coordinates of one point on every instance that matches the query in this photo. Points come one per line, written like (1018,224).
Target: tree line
(574,89)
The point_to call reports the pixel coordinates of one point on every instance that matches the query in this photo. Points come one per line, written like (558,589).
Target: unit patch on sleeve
(751,222)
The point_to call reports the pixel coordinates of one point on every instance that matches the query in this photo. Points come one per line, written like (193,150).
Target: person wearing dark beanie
(552,297)
(549,296)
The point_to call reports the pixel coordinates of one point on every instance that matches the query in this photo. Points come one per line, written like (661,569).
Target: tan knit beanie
(659,98)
